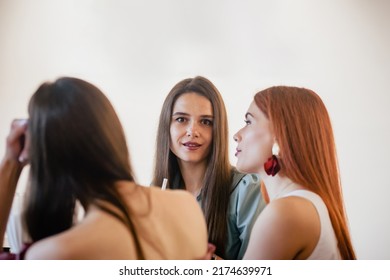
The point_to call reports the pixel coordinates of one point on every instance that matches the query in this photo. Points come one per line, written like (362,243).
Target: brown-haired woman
(77,152)
(192,154)
(288,140)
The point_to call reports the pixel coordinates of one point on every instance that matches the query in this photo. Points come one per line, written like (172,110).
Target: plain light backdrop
(135,51)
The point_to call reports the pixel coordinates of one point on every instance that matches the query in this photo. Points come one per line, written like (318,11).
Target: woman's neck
(279,186)
(193,175)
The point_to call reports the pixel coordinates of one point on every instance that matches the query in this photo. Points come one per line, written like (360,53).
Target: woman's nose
(192,130)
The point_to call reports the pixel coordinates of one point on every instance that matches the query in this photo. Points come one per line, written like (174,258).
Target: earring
(272,166)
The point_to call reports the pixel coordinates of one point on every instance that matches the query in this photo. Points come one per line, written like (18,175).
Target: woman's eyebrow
(180,113)
(186,114)
(248,114)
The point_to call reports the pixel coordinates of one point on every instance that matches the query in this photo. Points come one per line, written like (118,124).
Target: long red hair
(308,156)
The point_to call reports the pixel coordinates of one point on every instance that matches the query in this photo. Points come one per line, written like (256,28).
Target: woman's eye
(180,119)
(247,122)
(207,122)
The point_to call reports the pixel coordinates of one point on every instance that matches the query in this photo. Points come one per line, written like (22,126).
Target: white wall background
(135,51)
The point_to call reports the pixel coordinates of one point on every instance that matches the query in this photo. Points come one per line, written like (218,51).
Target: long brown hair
(78,151)
(218,176)
(308,156)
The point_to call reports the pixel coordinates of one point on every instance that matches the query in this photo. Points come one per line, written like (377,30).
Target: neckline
(288,188)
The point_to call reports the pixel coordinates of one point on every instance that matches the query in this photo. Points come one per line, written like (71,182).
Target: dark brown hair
(78,150)
(218,176)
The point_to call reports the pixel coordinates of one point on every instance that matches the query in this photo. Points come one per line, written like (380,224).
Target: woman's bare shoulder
(290,213)
(181,220)
(51,248)
(286,227)
(98,236)
(174,196)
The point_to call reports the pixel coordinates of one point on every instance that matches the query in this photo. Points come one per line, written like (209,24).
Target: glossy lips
(191,145)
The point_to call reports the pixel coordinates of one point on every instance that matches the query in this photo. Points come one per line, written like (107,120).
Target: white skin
(288,228)
(254,142)
(191,137)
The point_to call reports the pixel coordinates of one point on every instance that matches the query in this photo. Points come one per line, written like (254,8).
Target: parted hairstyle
(218,176)
(307,156)
(78,150)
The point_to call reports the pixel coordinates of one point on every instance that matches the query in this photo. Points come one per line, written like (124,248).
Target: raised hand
(17,144)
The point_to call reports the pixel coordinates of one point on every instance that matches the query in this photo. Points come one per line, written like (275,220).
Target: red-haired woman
(288,140)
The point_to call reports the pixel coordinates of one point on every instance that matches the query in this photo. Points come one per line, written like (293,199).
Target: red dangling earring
(272,165)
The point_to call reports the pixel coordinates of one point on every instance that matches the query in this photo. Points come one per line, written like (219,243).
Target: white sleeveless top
(326,248)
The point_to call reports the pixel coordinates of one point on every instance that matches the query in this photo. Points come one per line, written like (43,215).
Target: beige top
(169,225)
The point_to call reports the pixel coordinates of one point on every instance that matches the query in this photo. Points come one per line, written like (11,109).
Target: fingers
(18,128)
(210,251)
(211,248)
(24,155)
(16,139)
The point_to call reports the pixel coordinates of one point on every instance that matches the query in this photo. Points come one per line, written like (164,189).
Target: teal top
(245,205)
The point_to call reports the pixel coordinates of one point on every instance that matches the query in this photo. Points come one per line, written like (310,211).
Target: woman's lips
(192,145)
